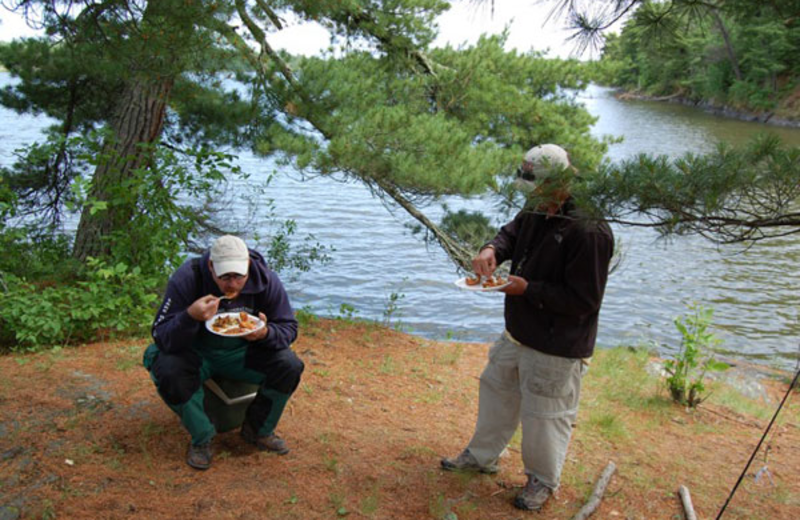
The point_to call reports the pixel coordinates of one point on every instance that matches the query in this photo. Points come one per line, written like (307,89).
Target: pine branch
(457,252)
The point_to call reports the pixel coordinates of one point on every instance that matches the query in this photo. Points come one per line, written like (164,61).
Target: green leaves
(450,128)
(732,195)
(687,370)
(111,300)
(729,52)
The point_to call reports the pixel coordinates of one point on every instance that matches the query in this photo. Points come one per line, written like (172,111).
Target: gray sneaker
(199,457)
(466,462)
(533,495)
(271,443)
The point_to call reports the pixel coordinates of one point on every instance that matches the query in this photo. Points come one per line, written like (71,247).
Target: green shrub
(114,299)
(51,298)
(688,369)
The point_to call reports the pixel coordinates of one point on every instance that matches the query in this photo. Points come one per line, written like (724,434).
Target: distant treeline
(735,53)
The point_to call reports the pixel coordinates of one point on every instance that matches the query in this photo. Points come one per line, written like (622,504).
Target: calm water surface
(754,293)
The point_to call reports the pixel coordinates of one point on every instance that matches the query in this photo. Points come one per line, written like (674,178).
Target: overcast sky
(464,23)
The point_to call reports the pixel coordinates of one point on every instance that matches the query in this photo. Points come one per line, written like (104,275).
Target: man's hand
(260,333)
(517,287)
(485,263)
(204,308)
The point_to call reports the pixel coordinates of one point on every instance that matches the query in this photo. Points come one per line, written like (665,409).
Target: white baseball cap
(542,162)
(229,255)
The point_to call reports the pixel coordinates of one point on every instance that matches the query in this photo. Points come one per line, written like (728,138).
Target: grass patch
(724,395)
(130,356)
(370,504)
(388,366)
(331,463)
(338,500)
(620,375)
(417,451)
(149,430)
(450,355)
(432,396)
(609,425)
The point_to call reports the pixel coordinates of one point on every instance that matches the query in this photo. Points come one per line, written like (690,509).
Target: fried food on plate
(231,324)
(494,281)
(472,281)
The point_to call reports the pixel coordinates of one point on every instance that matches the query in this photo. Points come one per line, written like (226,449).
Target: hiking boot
(271,442)
(466,462)
(199,457)
(533,495)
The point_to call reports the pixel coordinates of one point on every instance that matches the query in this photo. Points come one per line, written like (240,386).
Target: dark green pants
(179,379)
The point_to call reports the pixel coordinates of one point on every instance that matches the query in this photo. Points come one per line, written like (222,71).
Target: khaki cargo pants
(523,384)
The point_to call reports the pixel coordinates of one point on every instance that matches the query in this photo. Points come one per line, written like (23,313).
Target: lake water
(754,293)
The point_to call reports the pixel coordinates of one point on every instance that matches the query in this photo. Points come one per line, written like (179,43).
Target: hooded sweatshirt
(175,331)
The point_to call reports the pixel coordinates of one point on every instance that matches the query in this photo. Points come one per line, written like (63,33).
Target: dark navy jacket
(174,330)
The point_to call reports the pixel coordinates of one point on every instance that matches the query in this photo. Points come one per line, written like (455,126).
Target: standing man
(559,267)
(185,354)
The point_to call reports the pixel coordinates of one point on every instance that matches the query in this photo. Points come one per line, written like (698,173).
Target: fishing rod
(764,436)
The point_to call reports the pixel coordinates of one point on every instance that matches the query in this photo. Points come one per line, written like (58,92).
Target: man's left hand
(517,287)
(260,333)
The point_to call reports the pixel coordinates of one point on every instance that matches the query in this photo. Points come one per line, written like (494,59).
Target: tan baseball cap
(542,162)
(229,255)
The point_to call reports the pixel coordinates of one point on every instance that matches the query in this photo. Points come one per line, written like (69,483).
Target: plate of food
(482,283)
(233,324)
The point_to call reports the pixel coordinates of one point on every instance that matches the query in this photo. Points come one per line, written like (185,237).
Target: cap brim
(232,266)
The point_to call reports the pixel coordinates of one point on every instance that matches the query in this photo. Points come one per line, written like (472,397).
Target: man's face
(228,283)
(540,184)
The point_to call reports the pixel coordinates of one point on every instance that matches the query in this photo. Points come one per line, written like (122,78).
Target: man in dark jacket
(559,268)
(227,278)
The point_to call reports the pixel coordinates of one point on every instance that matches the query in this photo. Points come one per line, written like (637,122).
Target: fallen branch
(597,495)
(686,499)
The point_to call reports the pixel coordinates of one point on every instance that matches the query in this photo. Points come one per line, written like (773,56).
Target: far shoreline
(767,118)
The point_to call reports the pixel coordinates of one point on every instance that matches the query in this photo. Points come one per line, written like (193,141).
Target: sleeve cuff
(270,339)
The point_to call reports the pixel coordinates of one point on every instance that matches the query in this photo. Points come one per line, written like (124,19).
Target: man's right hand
(485,263)
(203,309)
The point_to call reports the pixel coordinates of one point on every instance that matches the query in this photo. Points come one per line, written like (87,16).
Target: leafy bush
(468,227)
(50,298)
(114,299)
(688,369)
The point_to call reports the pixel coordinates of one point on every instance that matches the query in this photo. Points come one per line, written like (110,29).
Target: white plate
(462,283)
(259,325)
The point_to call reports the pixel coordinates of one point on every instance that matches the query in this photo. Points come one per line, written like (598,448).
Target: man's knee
(294,365)
(292,368)
(282,370)
(177,378)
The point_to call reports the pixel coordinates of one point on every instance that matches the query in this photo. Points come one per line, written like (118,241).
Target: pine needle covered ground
(83,435)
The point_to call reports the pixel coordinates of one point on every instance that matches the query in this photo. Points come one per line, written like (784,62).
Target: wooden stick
(597,495)
(686,499)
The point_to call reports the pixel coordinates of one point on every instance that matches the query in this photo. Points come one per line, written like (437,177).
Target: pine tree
(410,122)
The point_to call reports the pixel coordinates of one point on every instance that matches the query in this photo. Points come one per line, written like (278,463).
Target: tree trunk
(138,121)
(728,47)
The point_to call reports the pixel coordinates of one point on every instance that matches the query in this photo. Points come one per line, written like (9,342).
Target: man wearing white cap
(186,354)
(559,268)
